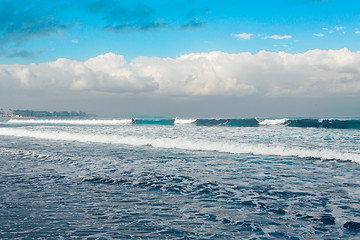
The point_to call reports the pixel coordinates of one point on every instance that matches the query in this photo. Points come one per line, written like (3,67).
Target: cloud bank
(313,74)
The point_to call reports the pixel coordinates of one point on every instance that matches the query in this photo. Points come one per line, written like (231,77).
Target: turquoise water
(110,179)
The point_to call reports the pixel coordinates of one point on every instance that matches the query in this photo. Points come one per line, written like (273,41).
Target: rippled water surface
(178,183)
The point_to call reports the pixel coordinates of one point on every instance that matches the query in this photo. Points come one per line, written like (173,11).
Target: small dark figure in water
(132,120)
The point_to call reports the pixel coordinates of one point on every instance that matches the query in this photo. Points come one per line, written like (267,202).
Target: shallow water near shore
(117,180)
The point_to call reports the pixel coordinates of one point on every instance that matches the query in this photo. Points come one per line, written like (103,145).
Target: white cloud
(282,45)
(319,34)
(277,37)
(339,28)
(357,32)
(243,36)
(74,41)
(315,73)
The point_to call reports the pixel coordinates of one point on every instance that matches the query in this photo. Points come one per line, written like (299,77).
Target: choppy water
(110,179)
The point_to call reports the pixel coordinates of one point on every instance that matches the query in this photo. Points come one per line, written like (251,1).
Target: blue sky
(41,31)
(182,57)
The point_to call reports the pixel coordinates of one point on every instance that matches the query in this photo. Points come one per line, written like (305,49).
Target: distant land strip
(44,114)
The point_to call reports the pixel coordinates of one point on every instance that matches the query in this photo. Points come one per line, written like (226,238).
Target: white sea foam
(272,121)
(184,121)
(187,144)
(71,121)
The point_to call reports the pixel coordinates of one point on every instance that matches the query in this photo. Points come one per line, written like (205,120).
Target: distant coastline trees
(46,114)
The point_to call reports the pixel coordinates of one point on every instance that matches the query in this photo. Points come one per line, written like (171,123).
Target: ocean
(180,178)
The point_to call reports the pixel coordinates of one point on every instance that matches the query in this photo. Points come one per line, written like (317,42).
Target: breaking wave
(272,121)
(230,122)
(187,144)
(71,121)
(184,121)
(154,121)
(326,123)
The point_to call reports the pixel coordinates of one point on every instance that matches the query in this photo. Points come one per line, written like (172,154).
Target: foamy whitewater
(180,178)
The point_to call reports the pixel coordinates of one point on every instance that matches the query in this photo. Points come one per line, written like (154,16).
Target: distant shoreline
(20,117)
(29,114)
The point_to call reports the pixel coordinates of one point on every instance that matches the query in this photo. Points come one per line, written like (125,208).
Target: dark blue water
(353,123)
(67,189)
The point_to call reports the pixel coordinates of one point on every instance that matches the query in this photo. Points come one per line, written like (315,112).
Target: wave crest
(186,144)
(272,121)
(231,122)
(71,121)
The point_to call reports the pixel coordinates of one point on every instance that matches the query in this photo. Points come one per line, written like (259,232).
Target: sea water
(180,179)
